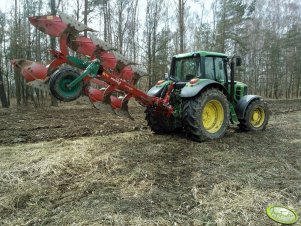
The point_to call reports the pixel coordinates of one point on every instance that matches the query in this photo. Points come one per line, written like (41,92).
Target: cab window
(219,69)
(209,68)
(187,68)
(214,69)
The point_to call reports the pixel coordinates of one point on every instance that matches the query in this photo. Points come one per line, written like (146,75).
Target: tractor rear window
(187,68)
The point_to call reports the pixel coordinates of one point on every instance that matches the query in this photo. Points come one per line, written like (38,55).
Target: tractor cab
(210,67)
(202,65)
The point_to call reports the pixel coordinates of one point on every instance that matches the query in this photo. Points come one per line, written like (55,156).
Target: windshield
(187,68)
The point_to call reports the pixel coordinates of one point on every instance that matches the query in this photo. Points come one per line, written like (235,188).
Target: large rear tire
(59,81)
(256,116)
(159,123)
(206,116)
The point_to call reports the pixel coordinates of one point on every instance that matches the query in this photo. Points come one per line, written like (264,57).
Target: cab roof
(202,53)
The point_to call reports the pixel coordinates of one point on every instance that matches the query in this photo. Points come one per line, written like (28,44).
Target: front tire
(206,116)
(256,116)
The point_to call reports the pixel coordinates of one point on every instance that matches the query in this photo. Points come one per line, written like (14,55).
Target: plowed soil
(76,165)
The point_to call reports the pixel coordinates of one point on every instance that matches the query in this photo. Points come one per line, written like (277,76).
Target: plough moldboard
(105,77)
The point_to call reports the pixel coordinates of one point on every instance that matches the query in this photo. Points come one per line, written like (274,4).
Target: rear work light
(160,82)
(193,81)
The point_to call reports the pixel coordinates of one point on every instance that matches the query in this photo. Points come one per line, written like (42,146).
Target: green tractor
(206,98)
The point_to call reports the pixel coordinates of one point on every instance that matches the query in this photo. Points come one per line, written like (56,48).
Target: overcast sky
(4,4)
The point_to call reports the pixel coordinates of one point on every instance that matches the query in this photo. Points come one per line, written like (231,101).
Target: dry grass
(137,178)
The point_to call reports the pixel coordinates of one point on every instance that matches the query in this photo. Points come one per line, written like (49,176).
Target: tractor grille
(241,91)
(245,90)
(238,93)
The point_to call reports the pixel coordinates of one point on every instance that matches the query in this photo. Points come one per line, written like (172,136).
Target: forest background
(265,33)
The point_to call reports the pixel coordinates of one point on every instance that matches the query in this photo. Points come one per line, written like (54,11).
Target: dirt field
(76,165)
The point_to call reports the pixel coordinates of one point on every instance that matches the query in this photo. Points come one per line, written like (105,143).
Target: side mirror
(166,76)
(238,61)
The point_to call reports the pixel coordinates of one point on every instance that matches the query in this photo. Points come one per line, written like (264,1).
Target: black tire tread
(159,123)
(192,121)
(245,124)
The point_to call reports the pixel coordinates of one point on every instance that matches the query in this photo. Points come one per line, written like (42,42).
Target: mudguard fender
(193,90)
(156,91)
(243,103)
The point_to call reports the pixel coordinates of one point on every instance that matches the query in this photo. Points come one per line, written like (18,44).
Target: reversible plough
(106,77)
(198,96)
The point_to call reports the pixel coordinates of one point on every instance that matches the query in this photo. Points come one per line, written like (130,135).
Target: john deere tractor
(199,96)
(205,98)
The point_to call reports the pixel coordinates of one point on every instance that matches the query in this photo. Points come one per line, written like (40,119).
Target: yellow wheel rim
(213,116)
(257,117)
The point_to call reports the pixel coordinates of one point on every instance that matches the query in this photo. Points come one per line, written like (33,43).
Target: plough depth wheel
(59,81)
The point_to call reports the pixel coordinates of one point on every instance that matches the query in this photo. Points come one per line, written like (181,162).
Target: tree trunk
(119,27)
(223,34)
(85,16)
(54,101)
(181,24)
(148,46)
(15,41)
(3,98)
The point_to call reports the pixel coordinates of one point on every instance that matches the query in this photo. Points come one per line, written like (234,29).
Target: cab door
(215,69)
